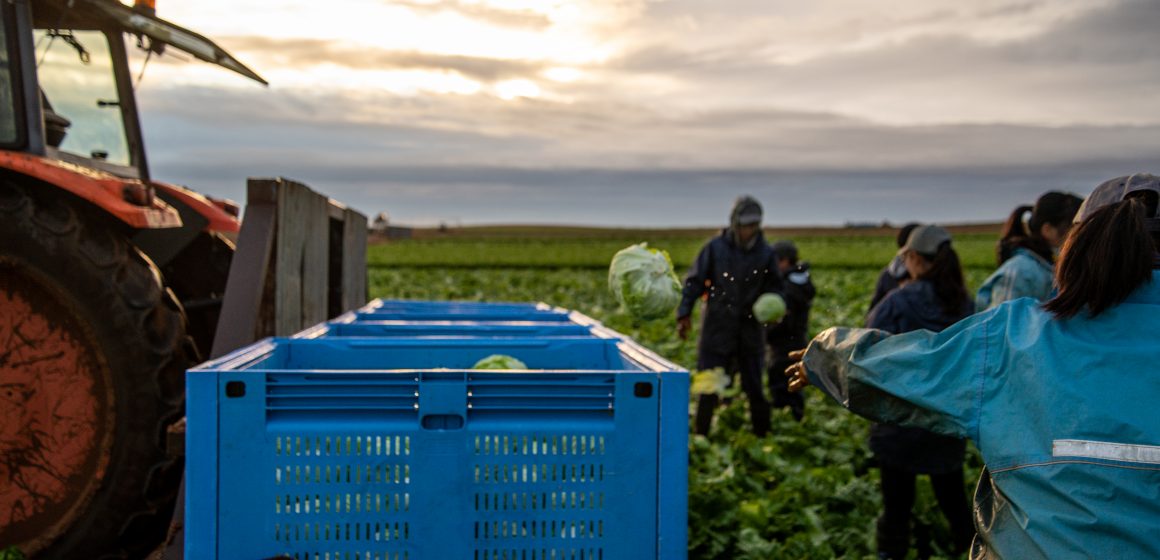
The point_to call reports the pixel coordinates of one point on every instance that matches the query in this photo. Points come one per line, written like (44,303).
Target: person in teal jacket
(1060,398)
(1026,251)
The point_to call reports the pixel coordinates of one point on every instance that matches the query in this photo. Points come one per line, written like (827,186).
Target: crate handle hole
(642,390)
(443,422)
(235,389)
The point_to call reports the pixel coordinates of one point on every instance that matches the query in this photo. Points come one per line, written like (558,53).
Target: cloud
(838,110)
(415,156)
(304,53)
(657,198)
(1096,65)
(528,19)
(475,130)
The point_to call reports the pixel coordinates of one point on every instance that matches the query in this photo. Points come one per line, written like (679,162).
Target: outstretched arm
(922,379)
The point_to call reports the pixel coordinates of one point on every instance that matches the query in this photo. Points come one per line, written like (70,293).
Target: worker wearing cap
(733,269)
(1059,397)
(790,333)
(933,297)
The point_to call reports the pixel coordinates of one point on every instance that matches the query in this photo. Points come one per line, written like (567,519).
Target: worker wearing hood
(731,271)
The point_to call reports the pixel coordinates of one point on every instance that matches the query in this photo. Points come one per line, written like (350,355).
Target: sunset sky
(660,112)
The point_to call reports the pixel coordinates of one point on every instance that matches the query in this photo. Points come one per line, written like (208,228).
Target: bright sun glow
(563,74)
(560,35)
(513,89)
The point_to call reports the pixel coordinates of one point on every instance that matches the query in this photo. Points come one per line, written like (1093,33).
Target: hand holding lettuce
(643,281)
(769,308)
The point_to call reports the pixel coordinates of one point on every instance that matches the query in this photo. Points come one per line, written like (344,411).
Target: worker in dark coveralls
(790,333)
(733,268)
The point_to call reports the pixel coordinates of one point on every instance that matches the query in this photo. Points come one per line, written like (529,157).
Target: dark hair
(904,233)
(946,274)
(1105,259)
(1055,208)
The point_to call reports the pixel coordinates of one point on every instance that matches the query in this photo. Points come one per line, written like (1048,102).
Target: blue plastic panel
(396,329)
(337,353)
(546,465)
(465,315)
(398,305)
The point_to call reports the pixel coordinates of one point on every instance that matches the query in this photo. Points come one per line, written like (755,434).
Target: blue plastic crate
(317,449)
(397,305)
(429,311)
(412,329)
(465,315)
(353,353)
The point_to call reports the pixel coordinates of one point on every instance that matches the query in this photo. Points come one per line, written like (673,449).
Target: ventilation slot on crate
(557,478)
(540,554)
(367,555)
(531,396)
(341,491)
(342,397)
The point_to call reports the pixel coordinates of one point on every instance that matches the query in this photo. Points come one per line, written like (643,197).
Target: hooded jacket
(733,276)
(1063,412)
(892,274)
(1025,274)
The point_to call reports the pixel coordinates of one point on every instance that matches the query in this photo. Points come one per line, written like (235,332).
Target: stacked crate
(368,437)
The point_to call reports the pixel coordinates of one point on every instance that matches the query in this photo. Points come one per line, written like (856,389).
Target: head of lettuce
(643,281)
(769,308)
(499,361)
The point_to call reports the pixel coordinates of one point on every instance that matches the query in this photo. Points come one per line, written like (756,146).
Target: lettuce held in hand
(769,308)
(499,361)
(643,281)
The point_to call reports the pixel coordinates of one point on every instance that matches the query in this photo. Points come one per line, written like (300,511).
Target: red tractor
(110,282)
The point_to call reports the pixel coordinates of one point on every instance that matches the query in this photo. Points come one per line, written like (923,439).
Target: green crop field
(807,490)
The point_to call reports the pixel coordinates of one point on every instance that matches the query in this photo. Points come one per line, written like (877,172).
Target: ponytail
(1107,257)
(1014,233)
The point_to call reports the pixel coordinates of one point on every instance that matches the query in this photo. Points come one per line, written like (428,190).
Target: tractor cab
(69,93)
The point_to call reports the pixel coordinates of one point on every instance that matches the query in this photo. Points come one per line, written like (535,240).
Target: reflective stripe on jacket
(1063,412)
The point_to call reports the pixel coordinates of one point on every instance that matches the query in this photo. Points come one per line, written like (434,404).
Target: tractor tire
(91,374)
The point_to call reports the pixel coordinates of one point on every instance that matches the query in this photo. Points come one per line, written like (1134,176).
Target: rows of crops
(807,490)
(977,251)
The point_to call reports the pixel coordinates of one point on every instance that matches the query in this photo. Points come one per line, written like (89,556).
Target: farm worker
(1060,397)
(734,268)
(894,273)
(934,298)
(1026,251)
(790,333)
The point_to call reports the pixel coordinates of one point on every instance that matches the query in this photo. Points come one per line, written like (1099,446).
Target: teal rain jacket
(1063,411)
(1025,274)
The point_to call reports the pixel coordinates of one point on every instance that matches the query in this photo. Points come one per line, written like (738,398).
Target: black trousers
(898,500)
(749,368)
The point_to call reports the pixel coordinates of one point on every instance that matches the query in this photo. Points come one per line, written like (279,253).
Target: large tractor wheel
(91,372)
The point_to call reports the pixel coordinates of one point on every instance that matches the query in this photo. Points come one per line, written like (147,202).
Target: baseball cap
(926,240)
(1115,190)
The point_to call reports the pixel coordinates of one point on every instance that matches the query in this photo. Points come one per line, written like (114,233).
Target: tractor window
(82,112)
(9,135)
